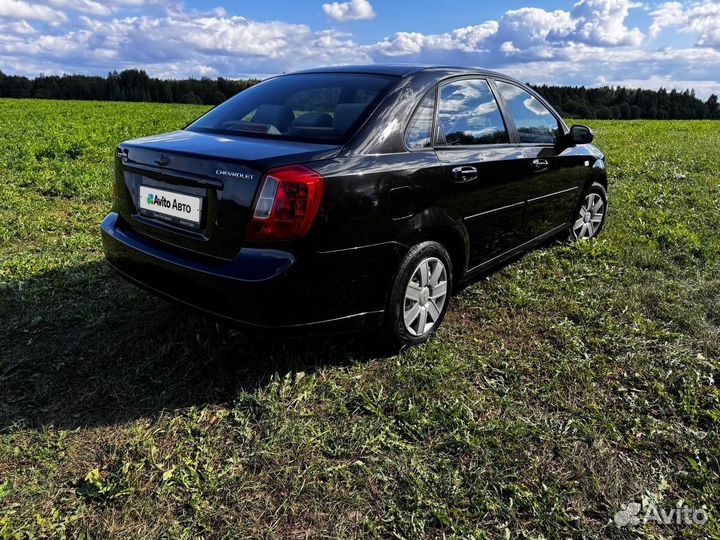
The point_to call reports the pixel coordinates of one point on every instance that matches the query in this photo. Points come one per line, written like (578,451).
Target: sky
(584,42)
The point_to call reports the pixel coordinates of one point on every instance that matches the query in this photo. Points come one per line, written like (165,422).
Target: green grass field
(578,378)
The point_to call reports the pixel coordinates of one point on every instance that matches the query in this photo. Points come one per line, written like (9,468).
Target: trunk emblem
(163,160)
(235,174)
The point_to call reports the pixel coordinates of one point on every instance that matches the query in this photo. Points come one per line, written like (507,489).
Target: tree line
(626,103)
(135,85)
(128,85)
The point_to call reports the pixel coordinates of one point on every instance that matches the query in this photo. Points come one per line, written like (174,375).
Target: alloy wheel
(425,296)
(591,216)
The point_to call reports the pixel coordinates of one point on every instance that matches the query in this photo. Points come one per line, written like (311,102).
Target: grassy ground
(577,379)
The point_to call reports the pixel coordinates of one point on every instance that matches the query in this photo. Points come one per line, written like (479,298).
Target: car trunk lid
(213,177)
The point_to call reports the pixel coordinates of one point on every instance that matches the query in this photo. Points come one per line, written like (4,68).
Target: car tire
(589,220)
(420,295)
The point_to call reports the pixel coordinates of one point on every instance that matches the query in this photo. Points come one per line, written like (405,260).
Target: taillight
(287,205)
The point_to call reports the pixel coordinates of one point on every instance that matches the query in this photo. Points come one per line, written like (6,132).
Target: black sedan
(351,197)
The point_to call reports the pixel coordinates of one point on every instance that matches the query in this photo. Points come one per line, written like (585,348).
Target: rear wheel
(590,219)
(420,294)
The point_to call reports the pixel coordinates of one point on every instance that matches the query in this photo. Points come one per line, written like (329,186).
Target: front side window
(419,133)
(534,122)
(468,114)
(321,107)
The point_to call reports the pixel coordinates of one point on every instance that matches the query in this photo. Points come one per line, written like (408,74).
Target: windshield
(323,107)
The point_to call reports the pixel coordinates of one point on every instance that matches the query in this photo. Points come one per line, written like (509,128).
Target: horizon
(261,78)
(591,43)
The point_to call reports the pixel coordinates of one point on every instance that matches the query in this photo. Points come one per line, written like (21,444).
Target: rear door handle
(464,174)
(540,165)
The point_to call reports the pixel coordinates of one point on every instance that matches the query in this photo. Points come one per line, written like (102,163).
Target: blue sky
(590,42)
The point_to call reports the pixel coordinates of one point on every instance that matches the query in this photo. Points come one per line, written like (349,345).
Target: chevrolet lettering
(234,174)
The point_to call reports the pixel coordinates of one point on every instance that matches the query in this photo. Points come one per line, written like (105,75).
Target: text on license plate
(168,203)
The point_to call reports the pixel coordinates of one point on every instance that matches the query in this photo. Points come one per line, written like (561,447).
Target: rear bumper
(261,288)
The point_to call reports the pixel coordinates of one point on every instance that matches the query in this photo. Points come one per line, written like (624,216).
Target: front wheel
(420,294)
(590,219)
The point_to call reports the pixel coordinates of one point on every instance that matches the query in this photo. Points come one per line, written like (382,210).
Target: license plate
(168,204)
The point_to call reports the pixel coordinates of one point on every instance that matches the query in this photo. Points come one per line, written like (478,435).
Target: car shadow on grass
(80,347)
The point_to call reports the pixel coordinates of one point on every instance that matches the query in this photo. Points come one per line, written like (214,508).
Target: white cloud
(527,27)
(18,28)
(353,10)
(469,39)
(84,6)
(75,45)
(602,22)
(526,34)
(194,43)
(206,71)
(560,47)
(595,22)
(666,16)
(19,9)
(634,67)
(699,18)
(508,47)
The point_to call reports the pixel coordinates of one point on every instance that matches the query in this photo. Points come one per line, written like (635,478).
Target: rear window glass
(318,107)
(419,133)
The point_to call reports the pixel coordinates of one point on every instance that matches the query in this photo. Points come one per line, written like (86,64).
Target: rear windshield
(313,107)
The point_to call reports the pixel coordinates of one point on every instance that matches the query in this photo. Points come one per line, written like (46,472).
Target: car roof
(400,70)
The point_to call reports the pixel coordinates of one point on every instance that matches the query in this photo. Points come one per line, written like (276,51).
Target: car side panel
(552,193)
(368,199)
(492,205)
(553,173)
(372,201)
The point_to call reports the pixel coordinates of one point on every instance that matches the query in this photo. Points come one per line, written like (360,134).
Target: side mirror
(581,134)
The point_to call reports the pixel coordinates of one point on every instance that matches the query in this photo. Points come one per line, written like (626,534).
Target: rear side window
(534,121)
(419,133)
(322,107)
(468,114)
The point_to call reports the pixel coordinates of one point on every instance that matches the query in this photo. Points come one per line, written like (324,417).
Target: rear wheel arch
(456,247)
(433,224)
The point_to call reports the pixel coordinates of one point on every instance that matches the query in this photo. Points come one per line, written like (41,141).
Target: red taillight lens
(287,205)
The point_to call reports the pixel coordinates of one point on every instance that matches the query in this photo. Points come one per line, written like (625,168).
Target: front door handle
(464,174)
(540,165)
